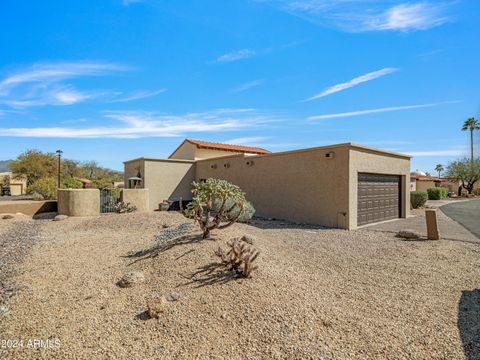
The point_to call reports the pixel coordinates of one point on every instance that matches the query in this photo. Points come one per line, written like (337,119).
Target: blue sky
(113,80)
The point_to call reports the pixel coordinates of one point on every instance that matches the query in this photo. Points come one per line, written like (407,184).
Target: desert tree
(465,171)
(217,204)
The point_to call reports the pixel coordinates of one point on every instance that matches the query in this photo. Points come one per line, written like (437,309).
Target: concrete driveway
(449,228)
(466,213)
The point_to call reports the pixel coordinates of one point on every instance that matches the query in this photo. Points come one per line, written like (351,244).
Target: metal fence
(108,199)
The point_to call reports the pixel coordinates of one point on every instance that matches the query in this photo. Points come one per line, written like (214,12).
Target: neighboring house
(118,184)
(423,182)
(198,150)
(86,183)
(343,186)
(17,186)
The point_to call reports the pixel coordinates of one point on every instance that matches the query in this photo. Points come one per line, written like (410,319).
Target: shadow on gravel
(155,250)
(263,224)
(469,323)
(211,274)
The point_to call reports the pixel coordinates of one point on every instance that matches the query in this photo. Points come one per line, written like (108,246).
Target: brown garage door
(378,198)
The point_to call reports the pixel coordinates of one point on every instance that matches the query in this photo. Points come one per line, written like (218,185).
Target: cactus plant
(239,258)
(217,204)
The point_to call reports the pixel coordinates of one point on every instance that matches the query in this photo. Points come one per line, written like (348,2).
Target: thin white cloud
(140,95)
(249,140)
(387,142)
(43,84)
(236,55)
(146,124)
(447,153)
(368,15)
(410,16)
(376,111)
(354,82)
(248,85)
(47,73)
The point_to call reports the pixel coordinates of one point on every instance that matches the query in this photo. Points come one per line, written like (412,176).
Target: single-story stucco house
(342,186)
(420,182)
(18,186)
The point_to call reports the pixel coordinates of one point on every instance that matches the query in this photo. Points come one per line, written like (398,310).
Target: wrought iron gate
(108,199)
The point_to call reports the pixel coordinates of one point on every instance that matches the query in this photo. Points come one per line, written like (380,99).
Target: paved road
(466,213)
(449,229)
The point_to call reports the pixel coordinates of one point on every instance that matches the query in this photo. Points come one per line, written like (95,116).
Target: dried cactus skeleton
(239,258)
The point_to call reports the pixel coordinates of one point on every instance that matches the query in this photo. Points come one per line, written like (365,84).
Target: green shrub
(418,199)
(71,183)
(102,183)
(46,187)
(437,193)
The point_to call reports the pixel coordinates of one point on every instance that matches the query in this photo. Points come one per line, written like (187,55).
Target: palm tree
(471,125)
(439,168)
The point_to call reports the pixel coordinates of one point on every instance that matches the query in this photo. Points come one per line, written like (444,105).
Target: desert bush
(231,205)
(71,183)
(418,199)
(476,192)
(239,258)
(46,187)
(37,197)
(437,193)
(102,183)
(122,207)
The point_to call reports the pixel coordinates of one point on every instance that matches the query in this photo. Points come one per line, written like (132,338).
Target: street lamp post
(59,153)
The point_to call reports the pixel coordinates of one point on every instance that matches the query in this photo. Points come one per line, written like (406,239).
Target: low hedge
(437,193)
(418,199)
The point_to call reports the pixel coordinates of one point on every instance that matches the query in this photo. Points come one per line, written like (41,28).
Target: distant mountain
(5,165)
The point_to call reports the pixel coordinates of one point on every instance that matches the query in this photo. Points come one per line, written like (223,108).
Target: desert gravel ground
(318,294)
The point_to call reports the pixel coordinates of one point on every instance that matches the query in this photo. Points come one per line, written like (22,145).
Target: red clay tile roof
(424,178)
(224,147)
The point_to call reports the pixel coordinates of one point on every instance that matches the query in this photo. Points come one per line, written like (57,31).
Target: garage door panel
(378,198)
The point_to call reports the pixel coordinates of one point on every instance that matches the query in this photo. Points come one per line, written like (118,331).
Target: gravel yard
(318,293)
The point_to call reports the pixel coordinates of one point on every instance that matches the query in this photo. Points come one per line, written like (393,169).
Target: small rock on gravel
(8,216)
(408,234)
(173,296)
(157,306)
(4,310)
(131,278)
(249,239)
(60,217)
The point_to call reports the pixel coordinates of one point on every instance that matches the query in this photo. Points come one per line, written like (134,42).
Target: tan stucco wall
(131,169)
(365,161)
(186,151)
(168,180)
(301,186)
(28,207)
(137,197)
(201,154)
(79,202)
(424,185)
